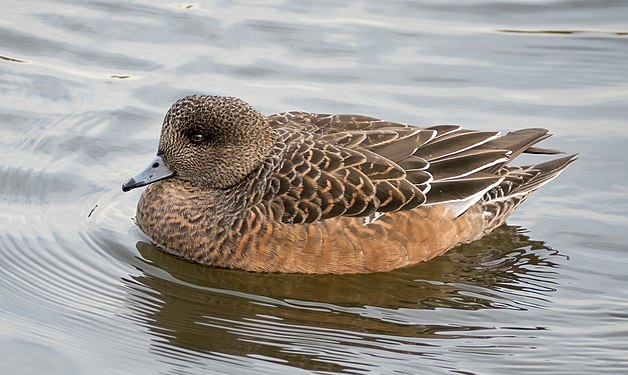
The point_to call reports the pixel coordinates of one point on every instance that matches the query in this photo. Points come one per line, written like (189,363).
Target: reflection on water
(302,319)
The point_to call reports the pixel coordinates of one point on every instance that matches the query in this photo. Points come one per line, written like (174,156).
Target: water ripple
(84,89)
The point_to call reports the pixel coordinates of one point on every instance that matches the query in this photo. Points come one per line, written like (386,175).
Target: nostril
(155,165)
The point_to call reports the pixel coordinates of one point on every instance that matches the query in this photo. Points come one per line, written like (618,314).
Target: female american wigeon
(315,193)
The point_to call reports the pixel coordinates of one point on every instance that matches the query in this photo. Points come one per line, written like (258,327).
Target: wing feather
(351,165)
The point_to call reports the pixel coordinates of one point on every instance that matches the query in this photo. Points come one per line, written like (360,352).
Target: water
(84,86)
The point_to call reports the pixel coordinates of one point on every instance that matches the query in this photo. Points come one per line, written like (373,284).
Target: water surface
(84,86)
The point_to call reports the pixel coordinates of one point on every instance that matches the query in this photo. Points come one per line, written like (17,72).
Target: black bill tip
(129,185)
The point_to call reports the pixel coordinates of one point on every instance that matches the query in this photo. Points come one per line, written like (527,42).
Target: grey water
(84,86)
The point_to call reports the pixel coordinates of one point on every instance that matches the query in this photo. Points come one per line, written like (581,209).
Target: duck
(300,192)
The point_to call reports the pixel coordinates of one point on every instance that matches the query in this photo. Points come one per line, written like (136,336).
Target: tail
(470,167)
(499,202)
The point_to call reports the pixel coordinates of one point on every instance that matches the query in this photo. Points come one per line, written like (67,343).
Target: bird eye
(197,138)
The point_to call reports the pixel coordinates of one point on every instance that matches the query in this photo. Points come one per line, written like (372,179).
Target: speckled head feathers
(214,141)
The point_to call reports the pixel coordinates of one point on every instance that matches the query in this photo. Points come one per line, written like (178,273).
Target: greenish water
(84,86)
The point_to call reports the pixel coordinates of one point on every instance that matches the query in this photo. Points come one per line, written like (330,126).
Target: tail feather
(544,173)
(543,151)
(517,142)
(499,202)
(456,158)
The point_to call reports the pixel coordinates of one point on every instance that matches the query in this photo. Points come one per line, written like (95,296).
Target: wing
(345,174)
(357,165)
(317,123)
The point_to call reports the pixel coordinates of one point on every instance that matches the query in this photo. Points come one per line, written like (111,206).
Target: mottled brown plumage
(313,193)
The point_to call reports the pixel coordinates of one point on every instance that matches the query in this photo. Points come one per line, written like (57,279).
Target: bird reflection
(293,317)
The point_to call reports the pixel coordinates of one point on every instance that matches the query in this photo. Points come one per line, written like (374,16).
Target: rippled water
(84,86)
